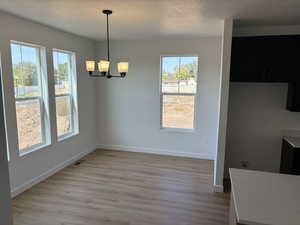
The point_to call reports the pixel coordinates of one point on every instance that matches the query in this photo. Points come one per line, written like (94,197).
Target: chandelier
(104,65)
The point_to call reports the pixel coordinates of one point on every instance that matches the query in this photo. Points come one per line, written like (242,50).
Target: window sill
(67,136)
(178,130)
(33,149)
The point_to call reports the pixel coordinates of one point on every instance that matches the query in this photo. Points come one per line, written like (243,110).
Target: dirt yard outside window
(30,125)
(178,111)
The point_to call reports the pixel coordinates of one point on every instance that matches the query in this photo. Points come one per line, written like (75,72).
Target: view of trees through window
(63,92)
(28,95)
(178,89)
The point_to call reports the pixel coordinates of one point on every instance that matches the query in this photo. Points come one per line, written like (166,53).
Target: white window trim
(161,94)
(72,95)
(43,99)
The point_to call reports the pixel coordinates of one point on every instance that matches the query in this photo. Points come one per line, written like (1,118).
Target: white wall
(257,119)
(5,206)
(33,167)
(130,108)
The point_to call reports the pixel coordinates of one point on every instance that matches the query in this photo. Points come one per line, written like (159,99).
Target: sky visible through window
(169,62)
(59,58)
(28,54)
(61,72)
(25,60)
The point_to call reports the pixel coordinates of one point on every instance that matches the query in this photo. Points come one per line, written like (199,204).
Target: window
(65,93)
(30,86)
(178,91)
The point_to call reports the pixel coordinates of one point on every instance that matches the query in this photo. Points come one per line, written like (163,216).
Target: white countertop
(263,198)
(294,141)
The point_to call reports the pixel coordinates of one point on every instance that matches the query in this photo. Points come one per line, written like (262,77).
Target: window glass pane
(29,100)
(29,123)
(25,70)
(63,115)
(179,74)
(62,76)
(168,70)
(178,111)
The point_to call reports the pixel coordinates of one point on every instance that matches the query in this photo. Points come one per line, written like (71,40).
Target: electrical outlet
(245,164)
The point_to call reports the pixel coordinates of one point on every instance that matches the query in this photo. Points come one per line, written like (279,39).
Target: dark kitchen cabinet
(293,102)
(265,59)
(290,158)
(269,59)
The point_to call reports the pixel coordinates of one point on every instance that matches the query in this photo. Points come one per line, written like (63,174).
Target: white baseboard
(18,190)
(218,188)
(156,151)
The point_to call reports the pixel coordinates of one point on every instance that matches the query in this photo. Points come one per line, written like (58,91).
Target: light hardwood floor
(122,188)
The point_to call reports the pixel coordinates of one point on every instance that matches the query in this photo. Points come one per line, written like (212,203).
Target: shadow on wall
(257,116)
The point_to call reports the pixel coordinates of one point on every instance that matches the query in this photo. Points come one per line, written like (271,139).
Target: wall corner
(223,101)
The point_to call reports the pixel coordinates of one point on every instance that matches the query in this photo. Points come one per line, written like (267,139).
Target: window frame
(72,95)
(43,98)
(162,94)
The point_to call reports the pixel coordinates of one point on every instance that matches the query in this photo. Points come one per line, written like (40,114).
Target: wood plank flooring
(123,188)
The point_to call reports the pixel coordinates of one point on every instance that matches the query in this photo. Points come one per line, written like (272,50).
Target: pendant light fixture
(104,65)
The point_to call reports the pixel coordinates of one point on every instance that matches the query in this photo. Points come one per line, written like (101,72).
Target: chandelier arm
(108,75)
(116,75)
(97,74)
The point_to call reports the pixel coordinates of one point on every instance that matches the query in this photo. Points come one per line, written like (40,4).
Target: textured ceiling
(142,19)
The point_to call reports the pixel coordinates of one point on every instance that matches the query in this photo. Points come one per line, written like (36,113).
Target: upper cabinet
(293,101)
(268,59)
(265,59)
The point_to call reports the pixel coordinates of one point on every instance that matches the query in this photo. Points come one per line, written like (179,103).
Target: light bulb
(123,67)
(90,66)
(103,66)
